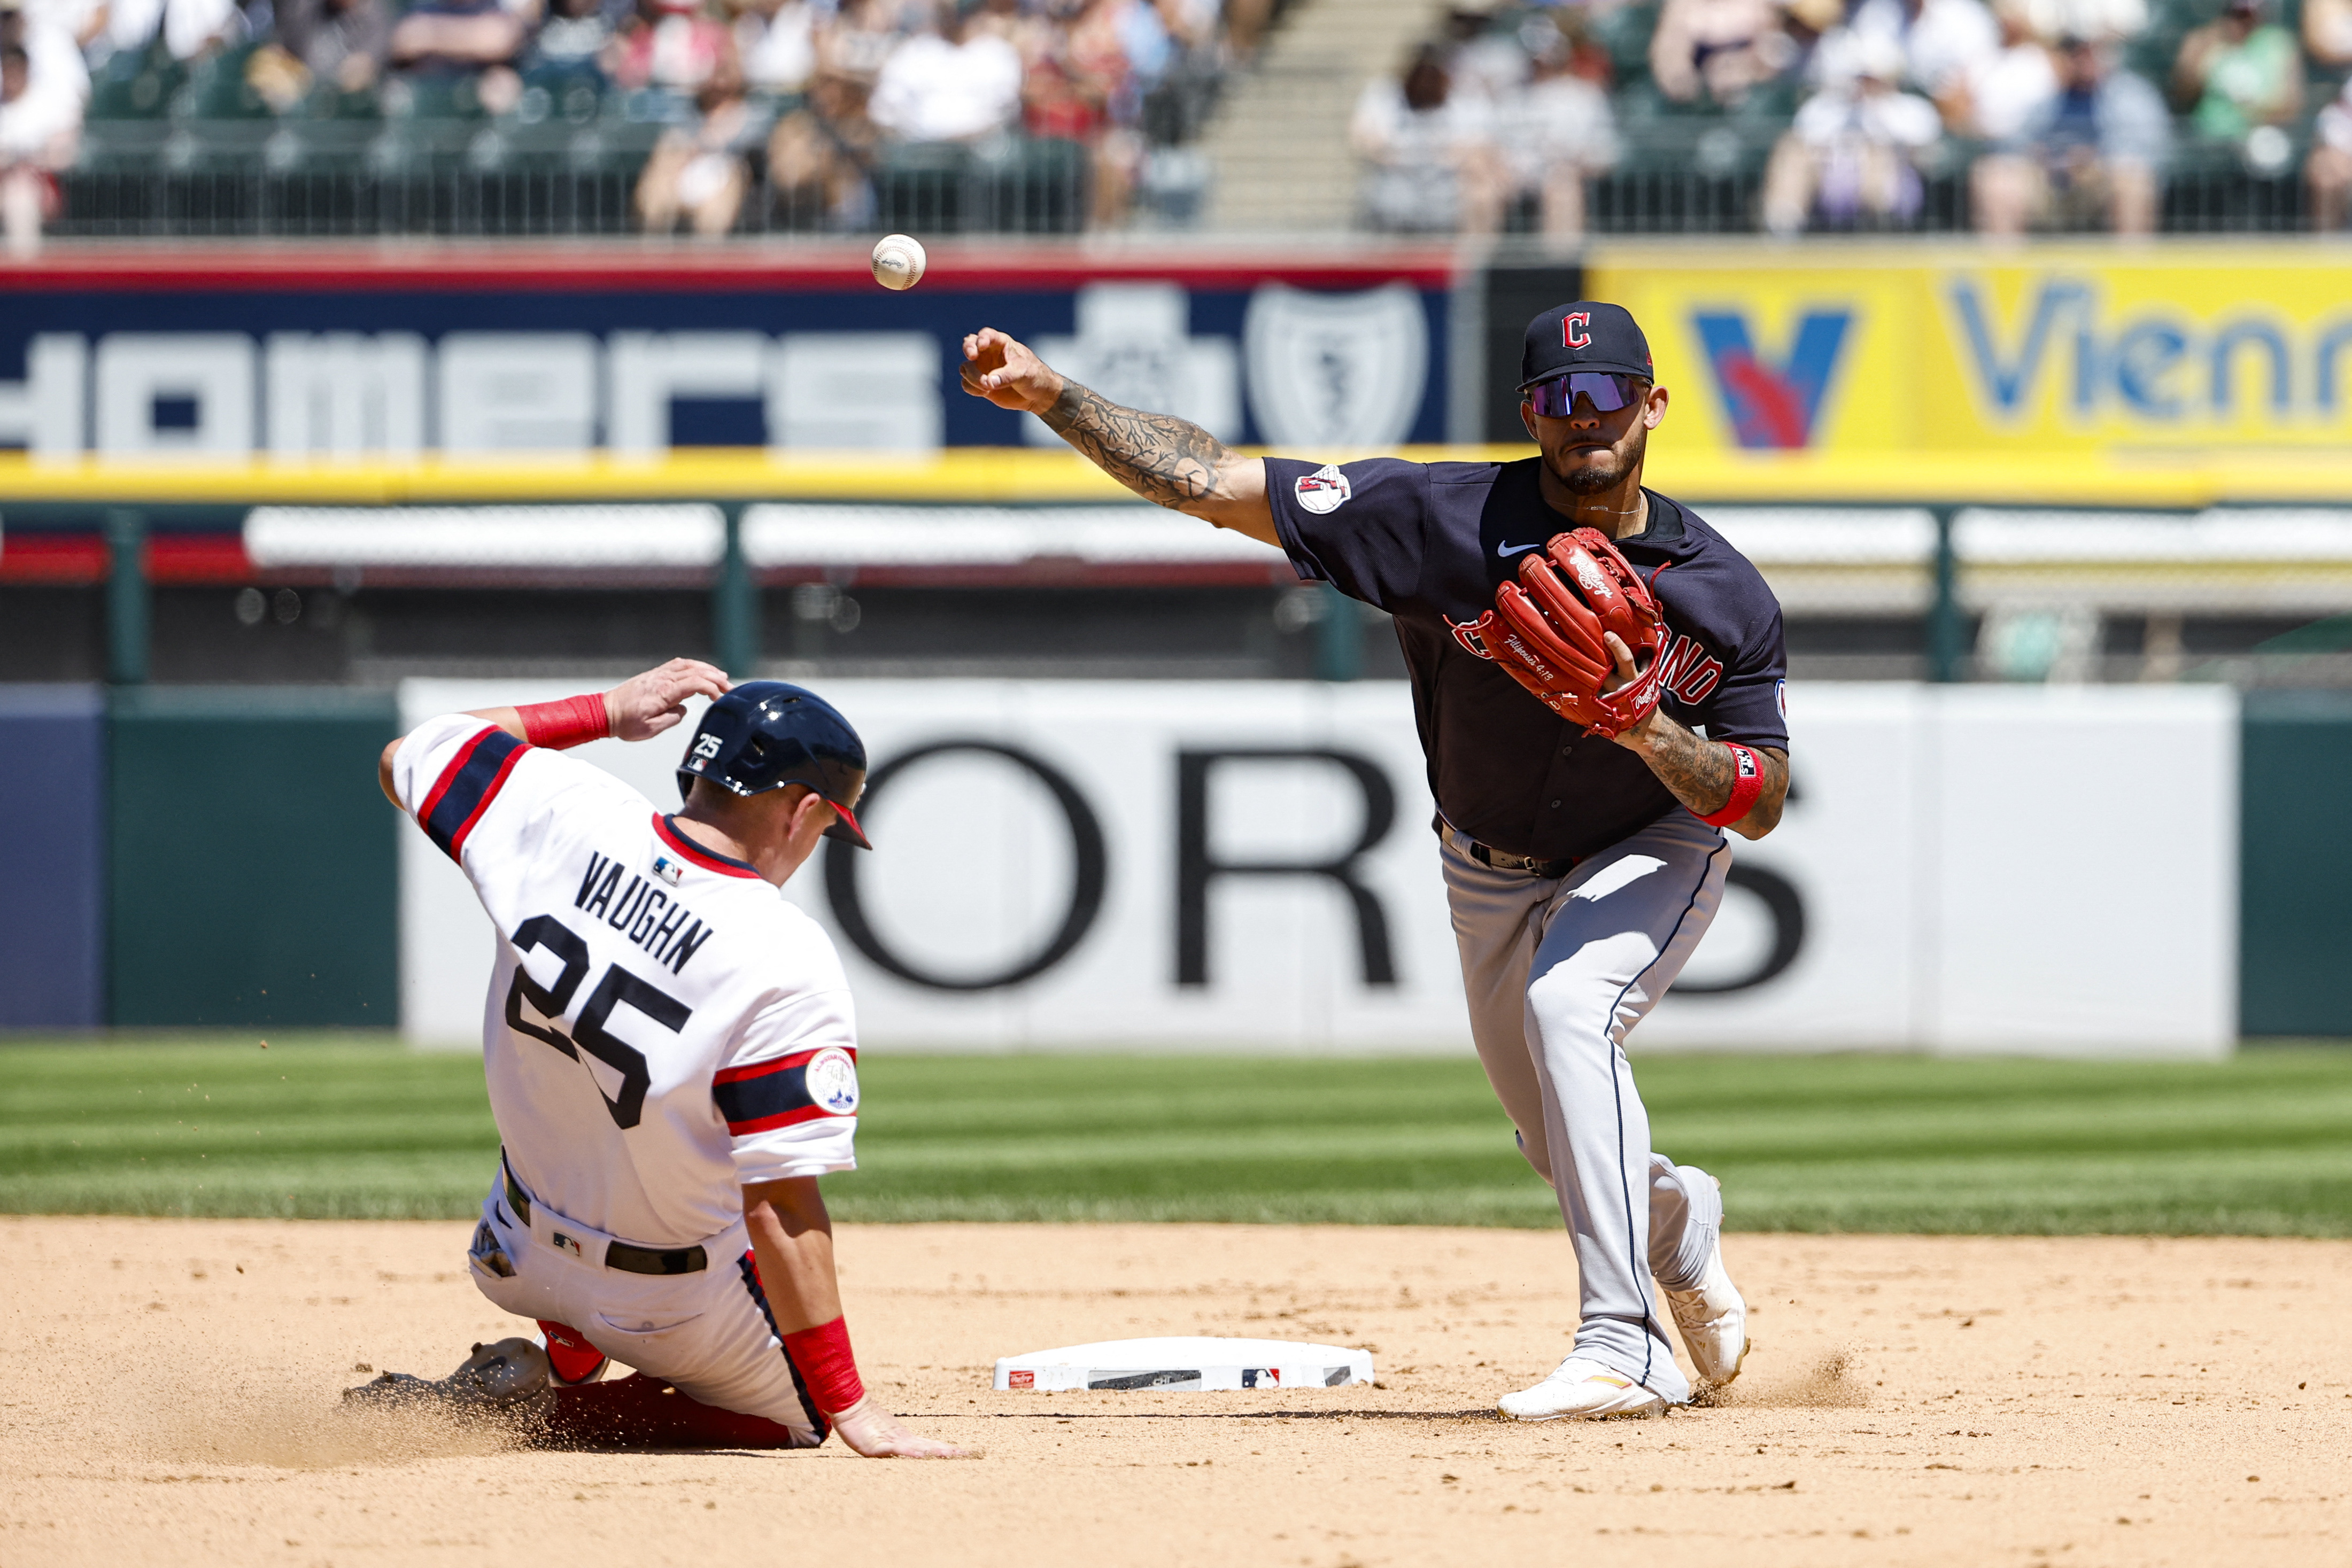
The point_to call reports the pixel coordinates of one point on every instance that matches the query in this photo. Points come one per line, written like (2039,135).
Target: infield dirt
(171,1387)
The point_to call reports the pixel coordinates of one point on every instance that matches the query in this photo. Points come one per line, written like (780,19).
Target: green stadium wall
(251,861)
(2294,972)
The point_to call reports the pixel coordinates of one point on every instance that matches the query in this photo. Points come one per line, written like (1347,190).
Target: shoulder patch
(1325,490)
(833,1081)
(1780,696)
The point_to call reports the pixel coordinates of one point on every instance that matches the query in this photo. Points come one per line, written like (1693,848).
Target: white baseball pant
(1558,971)
(707,1333)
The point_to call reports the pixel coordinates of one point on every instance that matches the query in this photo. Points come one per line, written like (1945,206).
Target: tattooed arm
(1699,772)
(1161,458)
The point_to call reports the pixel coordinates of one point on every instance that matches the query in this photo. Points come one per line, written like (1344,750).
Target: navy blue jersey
(1430,544)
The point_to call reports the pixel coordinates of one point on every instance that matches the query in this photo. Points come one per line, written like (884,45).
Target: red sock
(641,1412)
(569,1354)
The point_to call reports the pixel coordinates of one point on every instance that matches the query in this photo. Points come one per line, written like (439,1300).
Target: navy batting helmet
(765,734)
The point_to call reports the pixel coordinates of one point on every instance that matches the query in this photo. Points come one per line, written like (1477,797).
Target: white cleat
(1714,1324)
(1581,1390)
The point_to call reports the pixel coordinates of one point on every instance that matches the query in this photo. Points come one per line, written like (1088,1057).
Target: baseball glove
(1546,631)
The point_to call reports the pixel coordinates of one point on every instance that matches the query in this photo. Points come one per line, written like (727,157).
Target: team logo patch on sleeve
(1325,490)
(833,1081)
(786,1091)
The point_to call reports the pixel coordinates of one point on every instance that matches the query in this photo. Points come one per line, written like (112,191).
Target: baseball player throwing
(671,1061)
(1597,679)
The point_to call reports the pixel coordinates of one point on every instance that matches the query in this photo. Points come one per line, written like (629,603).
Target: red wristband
(821,1355)
(1746,783)
(574,721)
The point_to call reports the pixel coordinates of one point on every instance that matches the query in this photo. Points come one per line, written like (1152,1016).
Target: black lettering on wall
(1090,858)
(1787,910)
(1195,869)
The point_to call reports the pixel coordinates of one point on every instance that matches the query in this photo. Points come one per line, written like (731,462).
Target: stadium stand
(584,117)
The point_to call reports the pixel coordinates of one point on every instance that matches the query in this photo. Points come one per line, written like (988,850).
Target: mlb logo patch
(668,870)
(565,1244)
(1261,1377)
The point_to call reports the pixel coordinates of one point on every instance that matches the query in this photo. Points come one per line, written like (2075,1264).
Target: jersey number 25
(590,1034)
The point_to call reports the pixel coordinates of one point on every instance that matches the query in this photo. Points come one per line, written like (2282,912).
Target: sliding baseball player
(671,1061)
(1598,679)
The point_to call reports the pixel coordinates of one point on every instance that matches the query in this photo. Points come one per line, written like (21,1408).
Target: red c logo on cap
(1572,334)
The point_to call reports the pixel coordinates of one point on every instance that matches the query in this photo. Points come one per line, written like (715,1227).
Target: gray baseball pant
(1558,971)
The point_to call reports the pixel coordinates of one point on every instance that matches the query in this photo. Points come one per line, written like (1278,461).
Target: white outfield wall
(1961,869)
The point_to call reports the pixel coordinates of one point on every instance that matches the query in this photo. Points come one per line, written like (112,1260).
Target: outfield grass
(314,1127)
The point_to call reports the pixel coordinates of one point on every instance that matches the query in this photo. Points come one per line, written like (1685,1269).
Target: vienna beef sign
(2059,348)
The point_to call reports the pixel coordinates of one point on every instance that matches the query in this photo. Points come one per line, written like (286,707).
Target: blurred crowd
(2050,114)
(809,100)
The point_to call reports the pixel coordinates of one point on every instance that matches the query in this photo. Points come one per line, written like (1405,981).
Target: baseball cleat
(510,1374)
(1713,1319)
(1581,1390)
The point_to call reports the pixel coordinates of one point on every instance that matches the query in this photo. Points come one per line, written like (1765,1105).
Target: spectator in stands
(858,41)
(2087,156)
(2328,169)
(822,153)
(1557,132)
(1110,50)
(1938,41)
(187,27)
(1432,165)
(696,169)
(39,127)
(1720,48)
(341,42)
(1854,147)
(821,156)
(675,47)
(2238,73)
(1998,94)
(776,41)
(949,82)
(53,34)
(458,55)
(2092,21)
(567,54)
(2327,32)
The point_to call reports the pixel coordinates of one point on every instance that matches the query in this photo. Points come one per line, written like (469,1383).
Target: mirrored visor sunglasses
(1607,390)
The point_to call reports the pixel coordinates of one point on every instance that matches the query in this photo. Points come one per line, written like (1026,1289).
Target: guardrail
(2023,551)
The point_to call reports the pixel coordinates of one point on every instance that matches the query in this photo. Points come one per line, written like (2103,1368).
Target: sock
(1686,1217)
(641,1412)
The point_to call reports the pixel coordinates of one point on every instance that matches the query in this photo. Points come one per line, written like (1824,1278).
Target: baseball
(897,261)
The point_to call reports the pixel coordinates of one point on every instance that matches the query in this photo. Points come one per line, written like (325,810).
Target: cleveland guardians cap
(1585,336)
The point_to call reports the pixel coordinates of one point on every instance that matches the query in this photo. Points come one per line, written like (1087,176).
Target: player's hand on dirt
(1007,373)
(874,1432)
(644,706)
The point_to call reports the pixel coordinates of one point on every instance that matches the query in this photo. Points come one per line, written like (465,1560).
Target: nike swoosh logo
(1507,551)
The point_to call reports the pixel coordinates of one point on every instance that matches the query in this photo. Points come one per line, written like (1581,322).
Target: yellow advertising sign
(2127,352)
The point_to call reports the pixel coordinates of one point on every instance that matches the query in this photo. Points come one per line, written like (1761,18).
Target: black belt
(1503,860)
(618,1255)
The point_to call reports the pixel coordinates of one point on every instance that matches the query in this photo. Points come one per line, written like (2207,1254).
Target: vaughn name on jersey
(662,1026)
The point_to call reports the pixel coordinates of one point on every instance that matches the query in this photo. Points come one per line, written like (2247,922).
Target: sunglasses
(1608,390)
